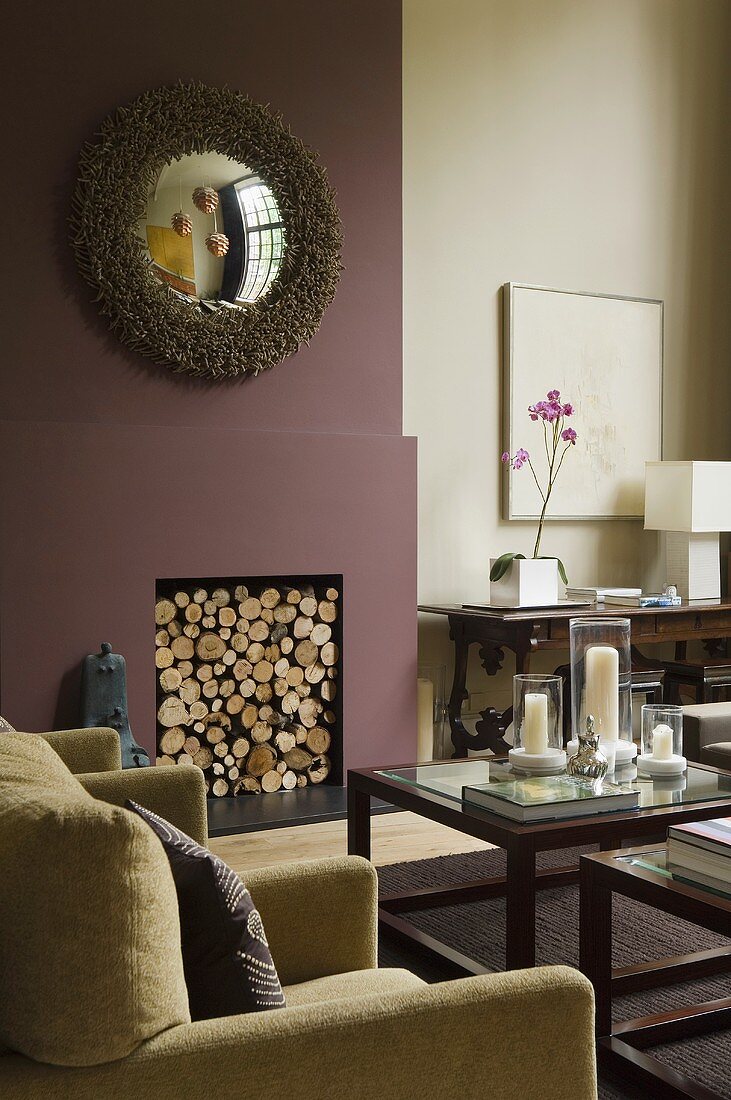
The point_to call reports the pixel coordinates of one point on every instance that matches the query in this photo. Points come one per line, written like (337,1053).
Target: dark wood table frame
(624,1046)
(525,631)
(521,843)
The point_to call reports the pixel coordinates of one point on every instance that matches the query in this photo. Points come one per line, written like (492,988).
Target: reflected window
(264,238)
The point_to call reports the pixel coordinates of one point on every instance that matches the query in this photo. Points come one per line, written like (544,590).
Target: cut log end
(318,770)
(271,781)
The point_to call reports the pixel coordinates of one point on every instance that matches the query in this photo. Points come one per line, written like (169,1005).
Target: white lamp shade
(688,496)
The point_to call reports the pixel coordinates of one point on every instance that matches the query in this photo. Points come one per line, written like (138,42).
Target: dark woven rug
(640,934)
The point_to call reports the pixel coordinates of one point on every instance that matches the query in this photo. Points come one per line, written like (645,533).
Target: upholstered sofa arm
(178,794)
(526,1034)
(705,724)
(320,916)
(87,750)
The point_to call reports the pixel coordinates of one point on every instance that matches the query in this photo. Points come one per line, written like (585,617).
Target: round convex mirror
(209,233)
(213,232)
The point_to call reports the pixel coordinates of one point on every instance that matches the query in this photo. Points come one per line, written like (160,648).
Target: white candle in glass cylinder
(602,689)
(424,720)
(662,742)
(535,723)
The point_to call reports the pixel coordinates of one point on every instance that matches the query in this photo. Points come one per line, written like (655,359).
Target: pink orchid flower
(552,414)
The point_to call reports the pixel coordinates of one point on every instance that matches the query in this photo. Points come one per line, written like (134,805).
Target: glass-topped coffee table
(643,875)
(434,791)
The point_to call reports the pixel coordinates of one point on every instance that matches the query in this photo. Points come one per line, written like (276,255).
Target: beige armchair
(349,1029)
(176,793)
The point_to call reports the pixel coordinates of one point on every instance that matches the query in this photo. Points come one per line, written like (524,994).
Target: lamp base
(692,564)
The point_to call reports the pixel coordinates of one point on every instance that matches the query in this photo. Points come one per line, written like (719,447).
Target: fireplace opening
(249,681)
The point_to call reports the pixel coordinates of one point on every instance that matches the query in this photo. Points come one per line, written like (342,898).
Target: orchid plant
(557,441)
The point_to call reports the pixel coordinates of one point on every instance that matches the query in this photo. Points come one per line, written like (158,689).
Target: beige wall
(580,144)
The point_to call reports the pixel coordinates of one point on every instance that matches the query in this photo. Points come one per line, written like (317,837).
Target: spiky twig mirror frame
(115,174)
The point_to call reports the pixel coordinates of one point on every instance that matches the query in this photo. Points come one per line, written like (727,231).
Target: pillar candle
(535,723)
(602,689)
(424,720)
(662,742)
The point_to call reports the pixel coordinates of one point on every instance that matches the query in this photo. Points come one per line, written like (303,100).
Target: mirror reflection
(213,232)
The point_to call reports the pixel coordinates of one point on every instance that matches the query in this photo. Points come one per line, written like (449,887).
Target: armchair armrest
(499,1036)
(705,724)
(87,750)
(175,793)
(320,916)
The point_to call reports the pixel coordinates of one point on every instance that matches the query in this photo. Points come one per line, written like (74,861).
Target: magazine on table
(545,797)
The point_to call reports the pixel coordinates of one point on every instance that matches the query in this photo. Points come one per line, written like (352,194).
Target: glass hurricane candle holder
(662,741)
(601,685)
(537,725)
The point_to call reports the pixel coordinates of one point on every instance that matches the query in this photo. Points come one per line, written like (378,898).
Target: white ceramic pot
(528,582)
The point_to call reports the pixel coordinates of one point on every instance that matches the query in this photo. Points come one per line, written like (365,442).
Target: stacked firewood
(247,681)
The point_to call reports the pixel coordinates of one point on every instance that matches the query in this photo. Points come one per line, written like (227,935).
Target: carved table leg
(491,727)
(460,736)
(490,730)
(493,723)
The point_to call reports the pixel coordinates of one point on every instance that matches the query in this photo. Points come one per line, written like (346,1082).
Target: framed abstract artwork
(604,353)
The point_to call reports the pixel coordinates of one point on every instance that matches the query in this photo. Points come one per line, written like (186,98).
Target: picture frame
(604,353)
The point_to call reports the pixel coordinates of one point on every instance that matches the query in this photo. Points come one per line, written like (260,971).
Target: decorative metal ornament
(205,199)
(217,244)
(589,762)
(116,174)
(182,224)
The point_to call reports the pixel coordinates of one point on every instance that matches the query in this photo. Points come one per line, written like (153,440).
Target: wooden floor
(396,837)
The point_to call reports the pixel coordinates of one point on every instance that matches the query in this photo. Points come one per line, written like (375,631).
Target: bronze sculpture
(104,701)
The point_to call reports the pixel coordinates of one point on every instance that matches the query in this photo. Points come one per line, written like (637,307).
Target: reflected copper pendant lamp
(181,223)
(217,243)
(205,199)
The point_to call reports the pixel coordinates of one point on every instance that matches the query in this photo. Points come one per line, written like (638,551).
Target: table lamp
(691,503)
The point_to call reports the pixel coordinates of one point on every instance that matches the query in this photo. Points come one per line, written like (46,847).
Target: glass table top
(448,780)
(657,862)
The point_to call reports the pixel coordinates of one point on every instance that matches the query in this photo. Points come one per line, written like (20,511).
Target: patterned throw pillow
(226,958)
(5,726)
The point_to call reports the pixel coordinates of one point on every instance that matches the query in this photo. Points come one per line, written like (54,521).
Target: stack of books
(623,597)
(650,599)
(701,852)
(543,798)
(600,595)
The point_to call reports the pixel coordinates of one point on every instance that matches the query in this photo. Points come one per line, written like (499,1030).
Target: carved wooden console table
(527,630)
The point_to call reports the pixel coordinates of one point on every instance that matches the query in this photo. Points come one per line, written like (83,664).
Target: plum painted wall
(116,471)
(80,563)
